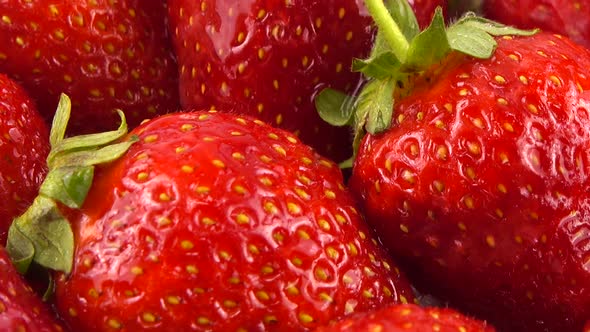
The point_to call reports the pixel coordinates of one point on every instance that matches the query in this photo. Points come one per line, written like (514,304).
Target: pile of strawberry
(176,165)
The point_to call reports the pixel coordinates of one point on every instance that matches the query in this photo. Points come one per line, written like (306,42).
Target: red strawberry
(409,318)
(20,309)
(104,54)
(24,145)
(568,17)
(480,185)
(270,58)
(210,221)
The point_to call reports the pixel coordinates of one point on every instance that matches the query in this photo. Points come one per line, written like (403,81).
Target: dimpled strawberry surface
(24,145)
(213,221)
(104,54)
(481,184)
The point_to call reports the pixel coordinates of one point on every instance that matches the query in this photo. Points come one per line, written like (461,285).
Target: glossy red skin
(119,57)
(24,145)
(20,308)
(408,318)
(481,223)
(567,17)
(120,228)
(220,69)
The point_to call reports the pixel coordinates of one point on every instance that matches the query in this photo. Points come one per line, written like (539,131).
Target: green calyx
(401,51)
(42,234)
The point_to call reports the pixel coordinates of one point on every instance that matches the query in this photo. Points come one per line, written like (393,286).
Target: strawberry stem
(389,28)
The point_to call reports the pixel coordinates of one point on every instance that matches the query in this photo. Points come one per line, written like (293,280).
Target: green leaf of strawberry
(21,249)
(430,46)
(375,105)
(68,185)
(379,67)
(334,100)
(42,234)
(472,35)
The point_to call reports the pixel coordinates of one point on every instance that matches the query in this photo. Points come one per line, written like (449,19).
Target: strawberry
(408,318)
(205,221)
(567,17)
(478,182)
(270,58)
(20,309)
(24,145)
(104,54)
